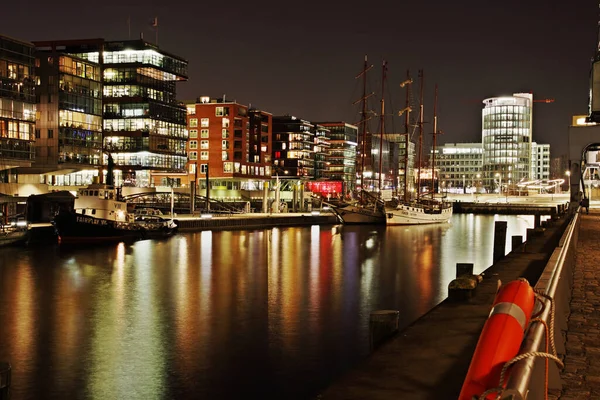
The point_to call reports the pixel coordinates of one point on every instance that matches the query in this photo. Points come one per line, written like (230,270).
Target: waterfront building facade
(98,97)
(17,108)
(460,167)
(229,145)
(540,161)
(341,154)
(321,152)
(506,137)
(293,147)
(69,124)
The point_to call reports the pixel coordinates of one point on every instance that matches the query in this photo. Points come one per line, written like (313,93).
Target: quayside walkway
(581,375)
(429,359)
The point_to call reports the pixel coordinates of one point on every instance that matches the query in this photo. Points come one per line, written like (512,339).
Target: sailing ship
(423,210)
(368,208)
(99,215)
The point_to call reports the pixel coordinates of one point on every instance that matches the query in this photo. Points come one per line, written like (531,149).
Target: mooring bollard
(536,220)
(464,269)
(463,287)
(383,324)
(4,381)
(517,241)
(500,228)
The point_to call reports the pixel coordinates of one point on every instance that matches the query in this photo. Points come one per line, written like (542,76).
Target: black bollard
(500,228)
(382,325)
(4,381)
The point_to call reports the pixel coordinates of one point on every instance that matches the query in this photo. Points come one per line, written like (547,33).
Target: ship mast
(434,141)
(420,135)
(407,110)
(382,125)
(363,121)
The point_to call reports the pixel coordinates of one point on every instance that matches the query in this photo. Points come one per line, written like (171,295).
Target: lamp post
(499,183)
(569,179)
(464,188)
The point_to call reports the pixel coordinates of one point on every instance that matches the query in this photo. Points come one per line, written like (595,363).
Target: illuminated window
(193,144)
(204,144)
(193,122)
(224,156)
(193,133)
(203,168)
(225,123)
(193,155)
(204,155)
(204,133)
(227,167)
(192,168)
(204,122)
(225,133)
(224,144)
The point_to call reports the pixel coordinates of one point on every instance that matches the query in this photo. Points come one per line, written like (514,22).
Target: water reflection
(270,313)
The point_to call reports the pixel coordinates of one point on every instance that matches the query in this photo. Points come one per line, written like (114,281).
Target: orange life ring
(500,338)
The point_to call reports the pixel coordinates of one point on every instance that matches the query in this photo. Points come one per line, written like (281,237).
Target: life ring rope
(548,356)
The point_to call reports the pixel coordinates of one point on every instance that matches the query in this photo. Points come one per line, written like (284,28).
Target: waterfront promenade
(581,375)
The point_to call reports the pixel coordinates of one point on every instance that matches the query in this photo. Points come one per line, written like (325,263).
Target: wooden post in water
(517,241)
(382,325)
(536,220)
(5,372)
(464,269)
(500,228)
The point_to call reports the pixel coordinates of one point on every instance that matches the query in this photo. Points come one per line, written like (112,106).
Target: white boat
(418,213)
(422,210)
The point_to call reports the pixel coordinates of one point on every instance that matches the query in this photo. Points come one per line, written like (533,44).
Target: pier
(430,358)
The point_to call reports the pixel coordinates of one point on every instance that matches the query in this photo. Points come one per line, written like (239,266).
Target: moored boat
(418,213)
(97,216)
(12,235)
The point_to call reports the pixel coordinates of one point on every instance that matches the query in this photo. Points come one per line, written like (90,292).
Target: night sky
(301,58)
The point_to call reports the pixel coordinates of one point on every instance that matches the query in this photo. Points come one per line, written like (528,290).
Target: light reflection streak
(206,245)
(128,346)
(314,266)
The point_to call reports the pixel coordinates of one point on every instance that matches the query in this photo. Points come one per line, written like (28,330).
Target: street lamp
(464,188)
(569,178)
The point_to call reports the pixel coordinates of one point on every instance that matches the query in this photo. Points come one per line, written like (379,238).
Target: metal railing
(527,377)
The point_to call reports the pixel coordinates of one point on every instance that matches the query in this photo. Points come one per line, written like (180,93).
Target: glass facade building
(69,126)
(341,155)
(506,139)
(17,107)
(106,96)
(293,147)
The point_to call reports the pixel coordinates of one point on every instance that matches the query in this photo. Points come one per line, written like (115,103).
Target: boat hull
(356,215)
(415,215)
(76,228)
(12,238)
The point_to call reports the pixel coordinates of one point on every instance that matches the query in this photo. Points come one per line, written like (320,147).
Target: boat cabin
(100,201)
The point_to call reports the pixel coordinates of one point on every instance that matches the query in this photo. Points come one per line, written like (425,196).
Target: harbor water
(269,313)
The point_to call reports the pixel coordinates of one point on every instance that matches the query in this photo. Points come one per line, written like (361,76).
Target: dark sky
(301,57)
